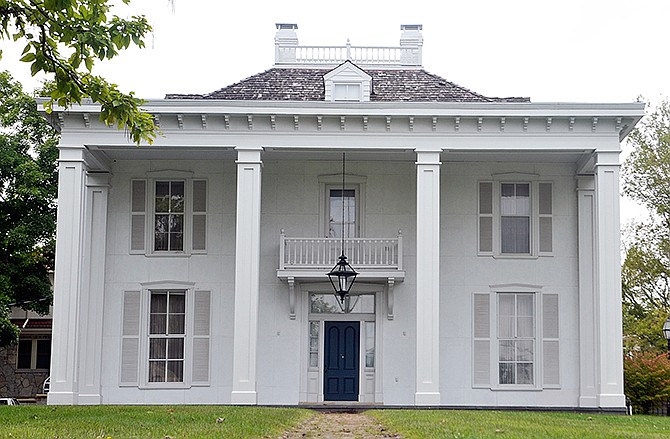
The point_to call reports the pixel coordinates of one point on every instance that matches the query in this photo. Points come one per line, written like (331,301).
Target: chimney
(411,43)
(286,40)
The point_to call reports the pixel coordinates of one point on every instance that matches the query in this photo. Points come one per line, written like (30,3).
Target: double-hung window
(342,206)
(168,216)
(515,218)
(515,339)
(167,333)
(165,336)
(169,207)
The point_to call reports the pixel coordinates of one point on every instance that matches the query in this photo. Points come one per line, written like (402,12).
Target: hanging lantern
(342,276)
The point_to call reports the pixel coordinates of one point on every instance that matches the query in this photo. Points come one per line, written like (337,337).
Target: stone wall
(18,383)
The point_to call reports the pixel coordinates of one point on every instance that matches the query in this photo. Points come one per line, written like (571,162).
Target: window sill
(516,388)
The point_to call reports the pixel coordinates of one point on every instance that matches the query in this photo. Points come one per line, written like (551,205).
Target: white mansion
(485,232)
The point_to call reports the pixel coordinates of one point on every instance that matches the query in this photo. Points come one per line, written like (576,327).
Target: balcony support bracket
(390,282)
(291,297)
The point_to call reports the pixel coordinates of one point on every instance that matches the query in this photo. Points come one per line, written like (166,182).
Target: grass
(45,422)
(103,422)
(508,425)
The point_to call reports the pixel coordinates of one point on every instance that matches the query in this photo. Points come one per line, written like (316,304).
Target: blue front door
(340,377)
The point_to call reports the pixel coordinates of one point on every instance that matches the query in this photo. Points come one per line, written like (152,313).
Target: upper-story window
(169,216)
(173,212)
(342,205)
(515,218)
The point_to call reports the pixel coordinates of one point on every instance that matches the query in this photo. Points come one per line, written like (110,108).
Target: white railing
(360,55)
(323,253)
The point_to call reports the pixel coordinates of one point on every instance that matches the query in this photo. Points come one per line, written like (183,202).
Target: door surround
(311,377)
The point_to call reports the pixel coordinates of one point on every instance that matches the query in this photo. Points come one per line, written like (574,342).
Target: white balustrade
(323,253)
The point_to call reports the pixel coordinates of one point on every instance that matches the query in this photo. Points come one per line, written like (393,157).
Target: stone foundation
(25,383)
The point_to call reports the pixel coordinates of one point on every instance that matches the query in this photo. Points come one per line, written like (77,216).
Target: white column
(608,281)
(67,278)
(427,278)
(588,352)
(247,278)
(93,282)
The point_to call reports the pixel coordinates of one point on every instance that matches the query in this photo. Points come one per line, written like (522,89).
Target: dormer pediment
(347,83)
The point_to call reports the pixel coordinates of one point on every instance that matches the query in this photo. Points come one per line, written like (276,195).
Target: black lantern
(342,276)
(666,333)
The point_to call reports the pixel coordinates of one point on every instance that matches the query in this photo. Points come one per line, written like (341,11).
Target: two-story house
(485,232)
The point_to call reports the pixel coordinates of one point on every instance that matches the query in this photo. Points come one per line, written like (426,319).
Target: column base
(588,401)
(243,397)
(89,399)
(61,398)
(612,400)
(427,398)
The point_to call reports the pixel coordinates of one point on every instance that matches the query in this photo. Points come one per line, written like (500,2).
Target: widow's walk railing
(323,253)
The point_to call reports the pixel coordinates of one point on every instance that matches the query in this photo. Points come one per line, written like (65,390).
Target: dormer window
(347,92)
(347,83)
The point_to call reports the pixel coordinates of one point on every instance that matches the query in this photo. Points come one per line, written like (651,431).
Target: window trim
(150,213)
(534,185)
(34,339)
(334,181)
(540,337)
(534,338)
(188,288)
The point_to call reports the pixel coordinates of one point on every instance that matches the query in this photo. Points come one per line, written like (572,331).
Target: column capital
(428,157)
(249,155)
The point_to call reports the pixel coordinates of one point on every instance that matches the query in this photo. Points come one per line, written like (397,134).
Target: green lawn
(45,422)
(115,422)
(492,424)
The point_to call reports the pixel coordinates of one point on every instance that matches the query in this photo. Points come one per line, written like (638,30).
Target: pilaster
(247,277)
(608,281)
(427,278)
(588,347)
(93,285)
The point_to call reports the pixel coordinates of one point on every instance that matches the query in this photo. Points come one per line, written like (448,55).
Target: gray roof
(291,84)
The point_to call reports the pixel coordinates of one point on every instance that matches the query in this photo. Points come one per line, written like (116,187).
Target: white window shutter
(481,349)
(138,215)
(550,341)
(199,219)
(201,337)
(545,217)
(130,338)
(485,213)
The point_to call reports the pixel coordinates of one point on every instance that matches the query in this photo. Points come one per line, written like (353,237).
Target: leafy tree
(64,38)
(28,185)
(646,268)
(647,381)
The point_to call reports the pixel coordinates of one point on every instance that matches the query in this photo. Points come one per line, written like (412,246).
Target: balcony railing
(323,253)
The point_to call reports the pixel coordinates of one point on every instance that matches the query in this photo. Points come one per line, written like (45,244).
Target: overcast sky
(568,51)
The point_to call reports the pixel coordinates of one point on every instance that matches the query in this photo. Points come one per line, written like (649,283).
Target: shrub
(646,380)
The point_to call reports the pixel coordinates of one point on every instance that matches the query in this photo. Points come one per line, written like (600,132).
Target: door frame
(311,390)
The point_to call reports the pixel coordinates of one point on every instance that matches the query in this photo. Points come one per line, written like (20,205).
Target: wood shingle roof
(388,85)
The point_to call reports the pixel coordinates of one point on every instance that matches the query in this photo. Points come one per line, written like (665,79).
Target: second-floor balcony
(373,258)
